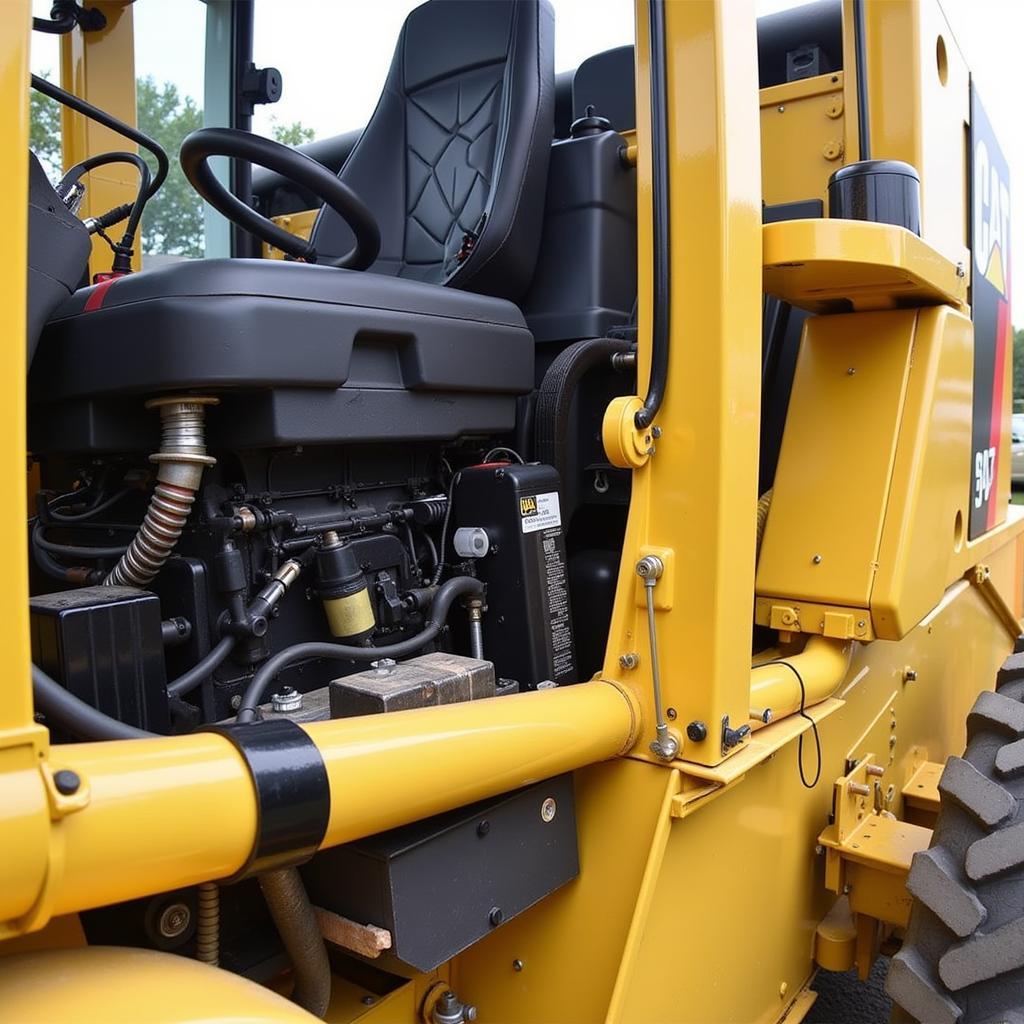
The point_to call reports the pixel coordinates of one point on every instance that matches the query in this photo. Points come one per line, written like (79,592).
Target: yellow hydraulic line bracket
(178,810)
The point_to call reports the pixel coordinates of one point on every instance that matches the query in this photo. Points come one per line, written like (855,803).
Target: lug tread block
(993,854)
(1010,760)
(984,956)
(933,880)
(982,798)
(909,985)
(1012,668)
(998,711)
(1014,689)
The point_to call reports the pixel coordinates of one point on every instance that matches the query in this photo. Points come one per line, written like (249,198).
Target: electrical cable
(202,669)
(458,586)
(94,510)
(444,529)
(73,550)
(65,710)
(814,726)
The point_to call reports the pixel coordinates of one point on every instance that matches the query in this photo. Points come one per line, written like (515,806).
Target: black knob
(697,731)
(590,124)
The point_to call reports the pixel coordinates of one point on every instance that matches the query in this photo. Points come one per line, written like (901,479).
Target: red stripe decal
(99,293)
(995,430)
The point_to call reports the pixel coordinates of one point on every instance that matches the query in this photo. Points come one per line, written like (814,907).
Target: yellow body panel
(101,66)
(300,224)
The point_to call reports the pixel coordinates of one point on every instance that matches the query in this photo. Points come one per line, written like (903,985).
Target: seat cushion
(222,325)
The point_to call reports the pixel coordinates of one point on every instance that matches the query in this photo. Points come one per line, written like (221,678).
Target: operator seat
(458,144)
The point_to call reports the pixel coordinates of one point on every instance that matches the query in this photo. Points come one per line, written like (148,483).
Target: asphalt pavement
(842,999)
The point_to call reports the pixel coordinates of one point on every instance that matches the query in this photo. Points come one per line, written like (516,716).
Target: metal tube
(475,607)
(178,810)
(775,685)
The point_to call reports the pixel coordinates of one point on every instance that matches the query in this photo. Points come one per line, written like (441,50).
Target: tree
(173,221)
(44,131)
(293,134)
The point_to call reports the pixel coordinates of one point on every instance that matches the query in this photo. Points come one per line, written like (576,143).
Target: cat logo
(527,507)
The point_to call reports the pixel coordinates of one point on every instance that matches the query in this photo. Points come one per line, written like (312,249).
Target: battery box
(528,625)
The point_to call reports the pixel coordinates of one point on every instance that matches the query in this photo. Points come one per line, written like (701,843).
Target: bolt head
(697,731)
(289,699)
(66,781)
(483,828)
(517,965)
(469,1014)
(548,810)
(496,916)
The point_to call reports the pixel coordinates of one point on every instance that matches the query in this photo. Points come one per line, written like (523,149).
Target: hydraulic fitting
(343,591)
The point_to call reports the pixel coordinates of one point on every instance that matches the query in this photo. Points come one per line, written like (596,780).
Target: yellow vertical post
(100,67)
(694,500)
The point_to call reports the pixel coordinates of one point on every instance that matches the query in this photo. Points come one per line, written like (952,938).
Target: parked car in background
(1017,439)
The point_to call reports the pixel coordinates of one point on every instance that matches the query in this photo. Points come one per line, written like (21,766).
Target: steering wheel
(198,147)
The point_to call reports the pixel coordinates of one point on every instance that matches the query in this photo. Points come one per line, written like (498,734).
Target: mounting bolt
(629,661)
(483,828)
(517,965)
(289,699)
(816,559)
(66,781)
(697,731)
(874,769)
(548,809)
(495,917)
(909,675)
(650,568)
(858,789)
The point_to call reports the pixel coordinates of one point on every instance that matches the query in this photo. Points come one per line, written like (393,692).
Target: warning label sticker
(539,512)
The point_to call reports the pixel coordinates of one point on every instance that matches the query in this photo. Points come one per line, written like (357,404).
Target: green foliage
(173,222)
(44,131)
(293,134)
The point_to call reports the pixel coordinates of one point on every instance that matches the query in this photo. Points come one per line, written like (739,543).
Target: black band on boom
(293,795)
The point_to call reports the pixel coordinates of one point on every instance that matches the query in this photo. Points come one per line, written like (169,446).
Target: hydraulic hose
(182,458)
(289,906)
(65,710)
(73,550)
(458,586)
(188,681)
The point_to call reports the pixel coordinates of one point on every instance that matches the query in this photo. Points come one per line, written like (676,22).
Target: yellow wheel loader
(546,565)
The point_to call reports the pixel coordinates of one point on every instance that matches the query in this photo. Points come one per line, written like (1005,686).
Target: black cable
(458,586)
(188,681)
(94,510)
(444,528)
(133,210)
(660,226)
(814,726)
(68,99)
(65,15)
(73,550)
(861,59)
(65,710)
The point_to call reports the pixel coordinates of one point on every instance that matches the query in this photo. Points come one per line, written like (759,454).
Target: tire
(963,956)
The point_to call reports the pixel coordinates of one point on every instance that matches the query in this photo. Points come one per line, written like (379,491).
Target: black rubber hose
(660,256)
(557,390)
(189,680)
(65,710)
(145,190)
(458,586)
(80,106)
(73,550)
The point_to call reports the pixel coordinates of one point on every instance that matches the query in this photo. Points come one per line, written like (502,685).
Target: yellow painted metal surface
(100,67)
(803,138)
(178,810)
(832,266)
(701,483)
(124,986)
(300,224)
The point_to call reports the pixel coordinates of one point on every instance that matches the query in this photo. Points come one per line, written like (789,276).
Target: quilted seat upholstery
(454,160)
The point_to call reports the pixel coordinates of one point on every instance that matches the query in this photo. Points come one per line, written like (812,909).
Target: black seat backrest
(454,161)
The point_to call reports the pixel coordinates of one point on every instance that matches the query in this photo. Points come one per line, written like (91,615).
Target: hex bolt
(629,660)
(495,917)
(66,781)
(909,675)
(671,713)
(174,920)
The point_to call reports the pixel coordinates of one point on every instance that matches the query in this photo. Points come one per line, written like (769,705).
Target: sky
(334,56)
